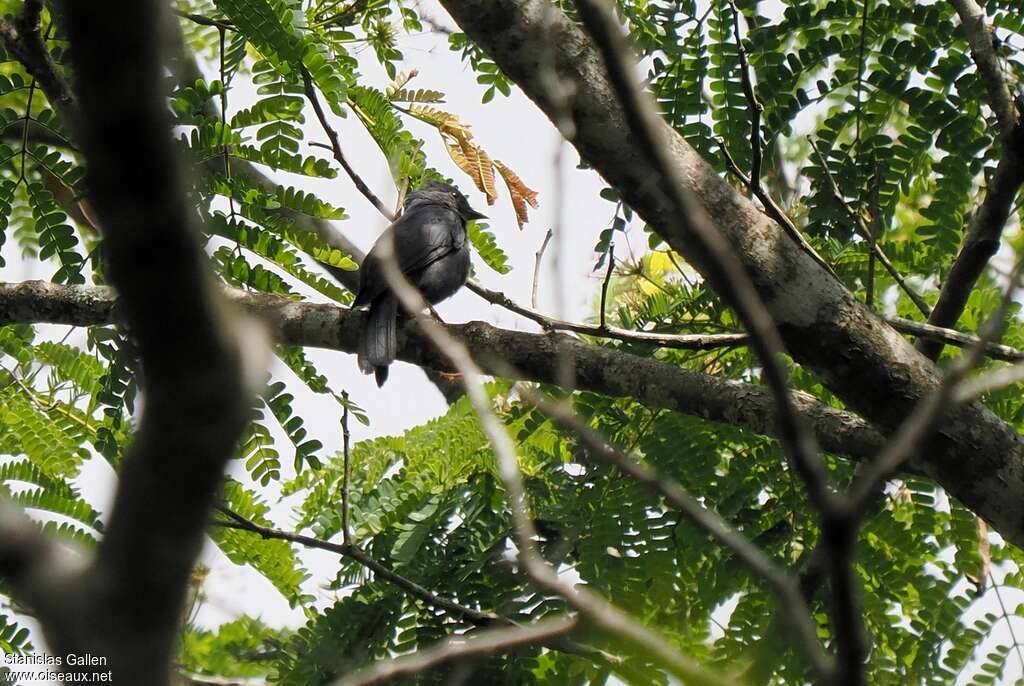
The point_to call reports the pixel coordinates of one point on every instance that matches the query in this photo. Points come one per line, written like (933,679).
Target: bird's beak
(473,214)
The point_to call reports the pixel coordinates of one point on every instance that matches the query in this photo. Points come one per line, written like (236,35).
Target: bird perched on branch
(432,250)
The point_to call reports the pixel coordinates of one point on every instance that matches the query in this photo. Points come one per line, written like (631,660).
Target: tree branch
(863,361)
(460,649)
(791,601)
(753,181)
(196,399)
(335,147)
(534,357)
(24,41)
(356,554)
(983,235)
(674,341)
(972,18)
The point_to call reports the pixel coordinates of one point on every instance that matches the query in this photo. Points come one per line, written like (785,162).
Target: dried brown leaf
(522,195)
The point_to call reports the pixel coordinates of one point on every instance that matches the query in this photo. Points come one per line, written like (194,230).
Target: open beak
(473,214)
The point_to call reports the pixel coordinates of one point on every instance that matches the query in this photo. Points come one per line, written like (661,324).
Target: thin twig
(772,209)
(539,257)
(756,108)
(356,554)
(786,588)
(861,228)
(757,153)
(996,351)
(461,649)
(221,24)
(345,478)
(604,286)
(675,341)
(335,147)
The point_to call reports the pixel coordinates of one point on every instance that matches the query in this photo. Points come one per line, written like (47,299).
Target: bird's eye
(454,194)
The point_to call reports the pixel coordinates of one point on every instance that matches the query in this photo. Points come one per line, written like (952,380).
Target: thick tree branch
(983,235)
(534,357)
(972,19)
(859,357)
(723,268)
(195,400)
(24,41)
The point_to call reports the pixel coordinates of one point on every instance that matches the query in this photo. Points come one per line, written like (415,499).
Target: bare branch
(356,554)
(335,147)
(996,351)
(536,267)
(786,588)
(675,341)
(532,356)
(461,649)
(865,232)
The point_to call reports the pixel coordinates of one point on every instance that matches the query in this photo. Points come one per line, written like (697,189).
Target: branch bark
(533,357)
(196,405)
(860,358)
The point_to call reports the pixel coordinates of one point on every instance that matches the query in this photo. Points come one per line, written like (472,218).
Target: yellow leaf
(401,81)
(445,121)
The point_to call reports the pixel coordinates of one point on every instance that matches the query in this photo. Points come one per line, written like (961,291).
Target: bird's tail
(379,343)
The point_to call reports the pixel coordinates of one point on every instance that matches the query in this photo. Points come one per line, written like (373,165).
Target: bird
(432,249)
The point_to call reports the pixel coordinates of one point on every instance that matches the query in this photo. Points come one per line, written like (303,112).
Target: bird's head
(444,194)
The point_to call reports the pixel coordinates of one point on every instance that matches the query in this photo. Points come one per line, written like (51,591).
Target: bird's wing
(423,235)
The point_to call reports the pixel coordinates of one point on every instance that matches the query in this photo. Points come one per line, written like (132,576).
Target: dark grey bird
(432,250)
